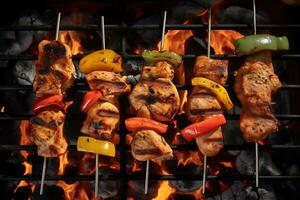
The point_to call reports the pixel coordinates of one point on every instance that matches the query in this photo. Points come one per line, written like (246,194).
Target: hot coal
(50,192)
(135,189)
(236,191)
(182,196)
(22,193)
(240,15)
(185,185)
(262,193)
(245,163)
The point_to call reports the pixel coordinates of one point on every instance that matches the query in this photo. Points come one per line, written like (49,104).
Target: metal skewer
(208,55)
(45,158)
(256,144)
(97,155)
(161,48)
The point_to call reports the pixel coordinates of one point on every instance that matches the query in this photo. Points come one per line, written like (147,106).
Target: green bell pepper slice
(254,43)
(154,56)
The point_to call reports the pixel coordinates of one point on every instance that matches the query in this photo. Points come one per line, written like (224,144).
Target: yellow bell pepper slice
(91,145)
(102,60)
(216,88)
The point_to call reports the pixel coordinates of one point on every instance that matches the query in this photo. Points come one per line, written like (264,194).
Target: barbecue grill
(80,85)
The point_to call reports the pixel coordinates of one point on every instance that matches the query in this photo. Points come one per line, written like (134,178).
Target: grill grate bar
(124,27)
(81,117)
(84,87)
(139,57)
(116,177)
(181,147)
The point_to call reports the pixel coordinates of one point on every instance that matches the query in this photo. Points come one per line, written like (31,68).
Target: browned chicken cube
(157,99)
(46,131)
(215,70)
(148,145)
(161,69)
(210,144)
(101,121)
(109,83)
(54,69)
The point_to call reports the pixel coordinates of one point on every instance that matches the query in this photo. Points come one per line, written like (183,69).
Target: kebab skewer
(101,103)
(255,83)
(205,104)
(155,99)
(54,74)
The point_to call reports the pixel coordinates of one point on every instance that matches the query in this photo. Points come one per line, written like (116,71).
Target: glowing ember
(72,39)
(187,157)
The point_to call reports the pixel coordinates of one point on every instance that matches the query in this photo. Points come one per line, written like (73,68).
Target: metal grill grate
(122,147)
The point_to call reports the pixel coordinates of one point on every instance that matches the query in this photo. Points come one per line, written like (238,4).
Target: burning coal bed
(186,168)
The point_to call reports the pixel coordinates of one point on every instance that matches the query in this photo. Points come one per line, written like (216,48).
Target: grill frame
(124,177)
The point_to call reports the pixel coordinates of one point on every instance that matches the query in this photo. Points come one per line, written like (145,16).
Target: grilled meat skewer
(254,84)
(203,104)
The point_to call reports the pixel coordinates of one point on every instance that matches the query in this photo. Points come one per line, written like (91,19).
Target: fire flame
(63,162)
(222,41)
(71,39)
(164,191)
(25,140)
(175,40)
(73,191)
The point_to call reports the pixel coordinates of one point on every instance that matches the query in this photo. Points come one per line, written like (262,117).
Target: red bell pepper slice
(140,123)
(54,100)
(89,99)
(203,127)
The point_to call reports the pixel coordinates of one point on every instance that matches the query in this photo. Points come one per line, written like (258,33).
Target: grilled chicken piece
(211,143)
(54,69)
(148,145)
(109,83)
(254,84)
(46,131)
(161,69)
(215,70)
(101,121)
(202,103)
(255,80)
(257,127)
(157,99)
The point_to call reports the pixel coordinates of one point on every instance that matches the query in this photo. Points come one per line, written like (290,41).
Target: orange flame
(25,184)
(2,109)
(164,191)
(73,191)
(175,40)
(71,39)
(63,162)
(222,41)
(25,140)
